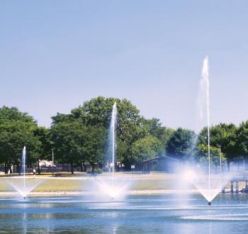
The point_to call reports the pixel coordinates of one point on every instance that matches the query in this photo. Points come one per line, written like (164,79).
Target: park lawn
(156,181)
(60,185)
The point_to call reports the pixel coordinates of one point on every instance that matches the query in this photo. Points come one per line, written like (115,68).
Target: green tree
(17,129)
(242,140)
(145,148)
(154,127)
(76,143)
(93,147)
(97,113)
(45,149)
(67,140)
(181,144)
(216,156)
(223,137)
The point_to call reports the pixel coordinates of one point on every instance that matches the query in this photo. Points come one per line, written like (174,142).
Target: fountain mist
(22,185)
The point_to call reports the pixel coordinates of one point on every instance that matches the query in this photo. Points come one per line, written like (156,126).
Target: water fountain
(23,166)
(111,185)
(208,184)
(112,138)
(23,185)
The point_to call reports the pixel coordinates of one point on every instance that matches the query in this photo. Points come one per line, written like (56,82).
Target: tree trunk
(84,167)
(18,166)
(92,167)
(127,166)
(5,168)
(39,170)
(72,168)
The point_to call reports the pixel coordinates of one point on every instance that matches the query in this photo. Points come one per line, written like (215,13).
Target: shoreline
(87,193)
(139,184)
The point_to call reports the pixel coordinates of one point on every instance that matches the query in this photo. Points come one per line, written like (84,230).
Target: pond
(136,214)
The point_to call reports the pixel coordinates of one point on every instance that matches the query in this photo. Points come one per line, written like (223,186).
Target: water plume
(208,184)
(111,185)
(23,185)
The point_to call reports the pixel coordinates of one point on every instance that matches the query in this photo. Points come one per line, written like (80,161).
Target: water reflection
(24,223)
(138,214)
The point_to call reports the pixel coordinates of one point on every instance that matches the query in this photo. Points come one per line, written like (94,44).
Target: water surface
(137,214)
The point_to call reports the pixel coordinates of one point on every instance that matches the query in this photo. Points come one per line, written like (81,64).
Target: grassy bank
(68,183)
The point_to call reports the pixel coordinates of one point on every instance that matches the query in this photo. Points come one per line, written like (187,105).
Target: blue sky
(54,55)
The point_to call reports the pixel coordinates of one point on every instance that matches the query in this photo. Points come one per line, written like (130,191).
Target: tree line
(80,137)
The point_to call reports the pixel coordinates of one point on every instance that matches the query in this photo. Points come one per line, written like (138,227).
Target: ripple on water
(219,217)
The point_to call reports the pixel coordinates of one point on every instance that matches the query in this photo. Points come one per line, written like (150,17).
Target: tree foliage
(242,140)
(181,144)
(216,156)
(223,137)
(96,114)
(146,148)
(17,129)
(81,136)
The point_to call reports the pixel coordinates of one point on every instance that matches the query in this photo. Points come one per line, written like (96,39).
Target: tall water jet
(23,166)
(207,184)
(113,137)
(205,89)
(108,185)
